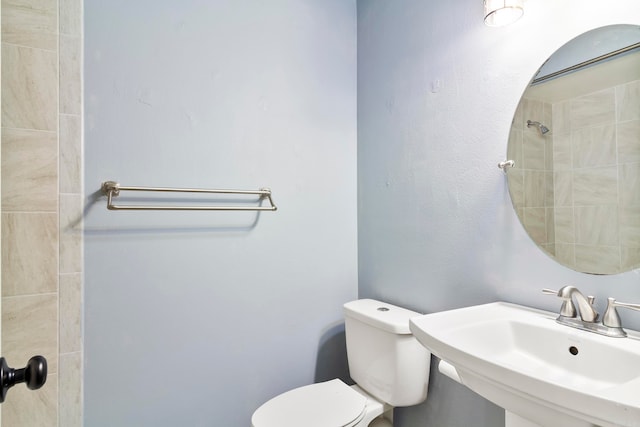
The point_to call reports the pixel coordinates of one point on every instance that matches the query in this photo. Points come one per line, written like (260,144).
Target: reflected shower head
(542,128)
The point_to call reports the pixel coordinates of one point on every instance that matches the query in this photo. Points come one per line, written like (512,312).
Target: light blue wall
(436,226)
(195,319)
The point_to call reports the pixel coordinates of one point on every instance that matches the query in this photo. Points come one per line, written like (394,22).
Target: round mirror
(575,143)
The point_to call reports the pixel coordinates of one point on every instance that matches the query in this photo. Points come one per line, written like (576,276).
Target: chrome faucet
(568,310)
(585,304)
(588,320)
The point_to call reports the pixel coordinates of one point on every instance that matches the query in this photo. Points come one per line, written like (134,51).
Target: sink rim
(565,399)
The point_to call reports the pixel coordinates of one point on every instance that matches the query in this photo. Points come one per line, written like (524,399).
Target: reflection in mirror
(575,140)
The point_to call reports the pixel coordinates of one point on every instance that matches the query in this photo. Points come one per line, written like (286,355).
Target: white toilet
(390,367)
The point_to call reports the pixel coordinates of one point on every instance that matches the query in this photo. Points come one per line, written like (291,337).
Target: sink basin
(551,374)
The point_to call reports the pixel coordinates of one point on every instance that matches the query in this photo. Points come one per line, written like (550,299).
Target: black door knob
(34,375)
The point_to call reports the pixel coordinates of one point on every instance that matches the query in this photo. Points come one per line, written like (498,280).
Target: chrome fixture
(586,317)
(542,128)
(498,13)
(611,319)
(112,189)
(506,164)
(585,304)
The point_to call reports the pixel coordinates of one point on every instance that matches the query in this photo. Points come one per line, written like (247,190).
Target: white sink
(521,359)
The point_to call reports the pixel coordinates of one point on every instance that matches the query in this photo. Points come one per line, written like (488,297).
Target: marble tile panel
(31,408)
(598,259)
(563,188)
(548,189)
(534,189)
(32,23)
(550,221)
(594,146)
(30,327)
(630,258)
(562,152)
(70,75)
(564,225)
(29,253)
(597,225)
(70,233)
(533,110)
(518,121)
(628,134)
(514,147)
(595,186)
(535,224)
(628,101)
(516,187)
(70,154)
(629,176)
(547,116)
(548,153)
(533,150)
(549,249)
(630,226)
(70,309)
(70,390)
(29,88)
(593,109)
(561,116)
(29,170)
(70,17)
(565,254)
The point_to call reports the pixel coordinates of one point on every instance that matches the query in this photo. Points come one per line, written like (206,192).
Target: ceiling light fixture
(498,13)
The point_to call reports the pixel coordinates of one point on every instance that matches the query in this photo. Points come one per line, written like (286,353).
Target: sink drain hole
(573,350)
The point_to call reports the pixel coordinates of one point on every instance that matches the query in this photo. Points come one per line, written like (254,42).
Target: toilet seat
(328,404)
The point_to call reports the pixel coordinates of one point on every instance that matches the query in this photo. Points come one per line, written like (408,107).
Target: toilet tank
(385,359)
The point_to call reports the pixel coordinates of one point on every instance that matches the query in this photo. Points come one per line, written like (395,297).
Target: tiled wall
(531,179)
(41,206)
(597,180)
(577,189)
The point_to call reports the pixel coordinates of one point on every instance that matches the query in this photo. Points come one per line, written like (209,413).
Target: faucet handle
(611,317)
(568,309)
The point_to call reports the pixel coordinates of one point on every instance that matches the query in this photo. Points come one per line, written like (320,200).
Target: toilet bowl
(331,403)
(387,363)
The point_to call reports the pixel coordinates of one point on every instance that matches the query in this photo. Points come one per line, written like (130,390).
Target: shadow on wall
(156,222)
(449,404)
(332,360)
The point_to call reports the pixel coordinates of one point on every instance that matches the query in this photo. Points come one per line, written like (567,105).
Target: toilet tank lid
(382,315)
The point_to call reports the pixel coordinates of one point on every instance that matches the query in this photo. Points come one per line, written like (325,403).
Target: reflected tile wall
(594,146)
(597,179)
(41,206)
(593,109)
(595,186)
(628,147)
(628,101)
(531,180)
